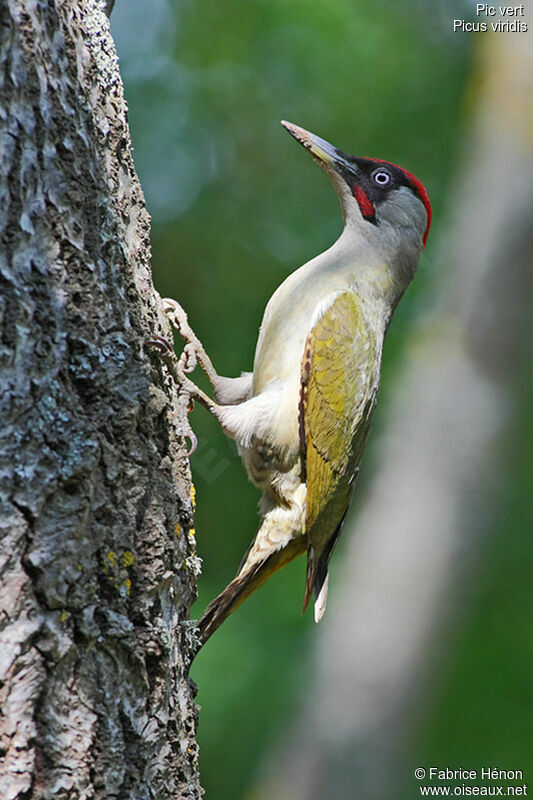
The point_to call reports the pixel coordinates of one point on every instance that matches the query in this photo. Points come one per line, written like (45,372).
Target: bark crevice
(97,570)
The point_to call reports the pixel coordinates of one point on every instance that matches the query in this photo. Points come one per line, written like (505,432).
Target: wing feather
(339,382)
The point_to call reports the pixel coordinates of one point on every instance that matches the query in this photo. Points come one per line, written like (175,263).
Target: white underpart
(279,526)
(255,418)
(229,391)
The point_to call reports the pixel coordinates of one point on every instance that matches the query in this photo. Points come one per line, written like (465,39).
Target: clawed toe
(187,388)
(176,314)
(191,436)
(185,429)
(189,358)
(159,343)
(195,352)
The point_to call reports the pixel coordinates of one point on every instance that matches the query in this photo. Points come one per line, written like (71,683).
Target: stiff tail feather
(317,573)
(245,584)
(316,581)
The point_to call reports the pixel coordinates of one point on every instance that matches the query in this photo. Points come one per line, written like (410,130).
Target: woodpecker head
(377,195)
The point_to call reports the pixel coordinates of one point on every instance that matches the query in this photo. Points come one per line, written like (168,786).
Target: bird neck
(377,264)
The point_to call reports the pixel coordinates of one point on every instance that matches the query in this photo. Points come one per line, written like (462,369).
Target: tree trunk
(97,563)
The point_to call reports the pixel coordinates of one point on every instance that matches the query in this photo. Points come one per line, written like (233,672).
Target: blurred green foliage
(480,712)
(236,206)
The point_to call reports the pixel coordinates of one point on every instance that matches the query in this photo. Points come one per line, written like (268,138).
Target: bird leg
(228,391)
(188,391)
(193,354)
(194,349)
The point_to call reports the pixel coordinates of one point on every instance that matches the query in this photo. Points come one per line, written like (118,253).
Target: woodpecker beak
(327,156)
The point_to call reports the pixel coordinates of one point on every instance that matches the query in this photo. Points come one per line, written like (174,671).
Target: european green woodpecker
(301,418)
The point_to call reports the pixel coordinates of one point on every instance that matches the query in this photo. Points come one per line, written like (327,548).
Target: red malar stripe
(365,204)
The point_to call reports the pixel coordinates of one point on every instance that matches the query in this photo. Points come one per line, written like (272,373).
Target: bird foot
(193,352)
(187,389)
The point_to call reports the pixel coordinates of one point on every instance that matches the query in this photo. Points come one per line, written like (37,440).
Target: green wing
(339,382)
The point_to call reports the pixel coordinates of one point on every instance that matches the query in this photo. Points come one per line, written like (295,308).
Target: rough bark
(97,556)
(416,539)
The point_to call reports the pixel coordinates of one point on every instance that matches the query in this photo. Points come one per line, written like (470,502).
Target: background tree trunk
(97,563)
(414,545)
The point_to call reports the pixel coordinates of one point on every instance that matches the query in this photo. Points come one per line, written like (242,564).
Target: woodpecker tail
(278,540)
(317,572)
(246,582)
(316,581)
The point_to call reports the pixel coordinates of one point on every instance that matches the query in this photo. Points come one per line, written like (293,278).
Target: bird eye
(381,177)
